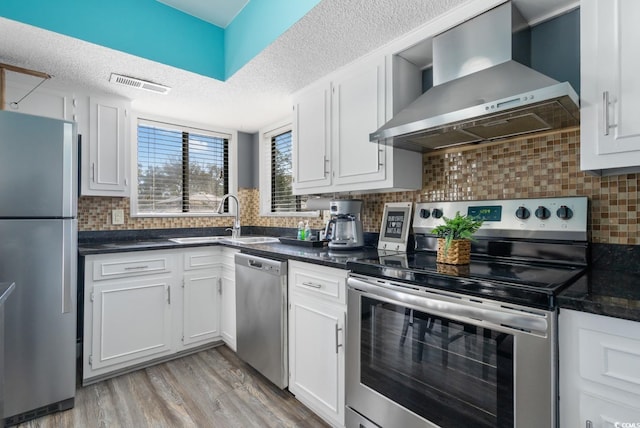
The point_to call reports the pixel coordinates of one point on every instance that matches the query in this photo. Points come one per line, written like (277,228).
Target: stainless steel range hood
(480,92)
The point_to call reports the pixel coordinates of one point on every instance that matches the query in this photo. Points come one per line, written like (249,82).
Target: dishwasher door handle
(255,264)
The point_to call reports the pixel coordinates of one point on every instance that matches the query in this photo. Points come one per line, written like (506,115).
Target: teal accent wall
(152,30)
(144,28)
(257,26)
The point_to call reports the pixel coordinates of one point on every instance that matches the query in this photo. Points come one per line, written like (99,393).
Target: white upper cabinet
(312,136)
(104,152)
(332,122)
(102,123)
(610,94)
(358,102)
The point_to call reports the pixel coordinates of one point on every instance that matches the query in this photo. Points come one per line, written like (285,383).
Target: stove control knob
(436,213)
(522,213)
(543,213)
(425,213)
(564,212)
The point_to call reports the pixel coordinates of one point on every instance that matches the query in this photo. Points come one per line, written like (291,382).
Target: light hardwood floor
(211,388)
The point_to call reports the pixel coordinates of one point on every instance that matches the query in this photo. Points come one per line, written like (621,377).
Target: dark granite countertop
(604,292)
(318,255)
(610,287)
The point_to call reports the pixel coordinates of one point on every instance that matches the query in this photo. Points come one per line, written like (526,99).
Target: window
(282,198)
(276,173)
(181,170)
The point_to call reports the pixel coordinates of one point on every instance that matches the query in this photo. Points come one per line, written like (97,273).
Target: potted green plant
(454,239)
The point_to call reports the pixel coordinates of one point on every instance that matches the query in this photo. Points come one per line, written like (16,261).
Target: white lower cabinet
(317,313)
(228,297)
(201,296)
(151,305)
(599,371)
(131,322)
(201,299)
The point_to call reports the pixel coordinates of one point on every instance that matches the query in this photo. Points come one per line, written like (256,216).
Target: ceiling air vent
(140,84)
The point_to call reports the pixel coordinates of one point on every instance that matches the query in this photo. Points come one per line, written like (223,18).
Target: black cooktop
(530,284)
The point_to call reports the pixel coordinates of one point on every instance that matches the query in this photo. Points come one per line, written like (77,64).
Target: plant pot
(455,270)
(459,252)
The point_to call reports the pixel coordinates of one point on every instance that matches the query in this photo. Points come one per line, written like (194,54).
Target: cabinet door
(598,372)
(358,110)
(605,413)
(316,356)
(104,173)
(228,308)
(311,140)
(228,298)
(131,322)
(610,95)
(201,311)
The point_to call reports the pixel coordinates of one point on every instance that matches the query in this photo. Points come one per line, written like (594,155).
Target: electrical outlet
(326,215)
(117,217)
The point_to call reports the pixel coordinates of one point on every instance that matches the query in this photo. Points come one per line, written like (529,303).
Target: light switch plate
(117,217)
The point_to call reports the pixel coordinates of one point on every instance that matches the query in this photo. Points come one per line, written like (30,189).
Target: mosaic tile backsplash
(542,165)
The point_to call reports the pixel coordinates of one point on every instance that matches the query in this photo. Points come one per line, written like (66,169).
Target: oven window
(448,372)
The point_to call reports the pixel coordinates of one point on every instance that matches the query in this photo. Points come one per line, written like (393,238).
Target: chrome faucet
(235,230)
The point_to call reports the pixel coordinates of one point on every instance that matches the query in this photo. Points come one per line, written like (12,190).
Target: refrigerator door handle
(70,171)
(70,264)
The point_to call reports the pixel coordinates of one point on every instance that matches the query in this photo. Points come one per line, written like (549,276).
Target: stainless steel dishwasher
(261,316)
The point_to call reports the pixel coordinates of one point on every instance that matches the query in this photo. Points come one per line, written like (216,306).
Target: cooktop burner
(523,283)
(526,251)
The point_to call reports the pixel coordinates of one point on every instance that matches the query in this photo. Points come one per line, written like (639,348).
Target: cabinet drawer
(325,282)
(202,259)
(131,265)
(610,359)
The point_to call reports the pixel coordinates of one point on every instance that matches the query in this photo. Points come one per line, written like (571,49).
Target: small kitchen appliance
(431,345)
(344,230)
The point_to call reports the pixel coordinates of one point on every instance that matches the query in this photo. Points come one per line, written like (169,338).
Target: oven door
(419,358)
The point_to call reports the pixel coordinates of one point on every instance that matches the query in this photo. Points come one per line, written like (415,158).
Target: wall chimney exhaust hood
(481,93)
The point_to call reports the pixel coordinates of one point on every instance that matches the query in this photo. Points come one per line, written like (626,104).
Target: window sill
(306,214)
(179,215)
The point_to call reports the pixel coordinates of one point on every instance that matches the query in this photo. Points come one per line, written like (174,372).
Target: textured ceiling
(331,35)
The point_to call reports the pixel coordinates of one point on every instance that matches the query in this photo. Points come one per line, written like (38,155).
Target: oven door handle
(529,322)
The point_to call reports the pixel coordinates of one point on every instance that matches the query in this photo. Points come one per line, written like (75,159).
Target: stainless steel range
(451,346)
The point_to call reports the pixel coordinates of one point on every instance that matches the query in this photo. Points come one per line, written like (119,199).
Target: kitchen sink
(252,240)
(198,239)
(210,239)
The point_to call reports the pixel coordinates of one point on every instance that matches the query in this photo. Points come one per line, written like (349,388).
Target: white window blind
(282,199)
(180,169)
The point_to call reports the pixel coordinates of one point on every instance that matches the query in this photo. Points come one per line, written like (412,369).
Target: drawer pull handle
(136,267)
(312,284)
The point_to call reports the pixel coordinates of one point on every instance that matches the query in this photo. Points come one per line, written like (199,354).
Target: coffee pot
(344,230)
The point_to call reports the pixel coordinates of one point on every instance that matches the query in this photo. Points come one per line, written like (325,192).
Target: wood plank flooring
(211,388)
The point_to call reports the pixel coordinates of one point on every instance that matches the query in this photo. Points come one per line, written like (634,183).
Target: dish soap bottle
(307,231)
(301,230)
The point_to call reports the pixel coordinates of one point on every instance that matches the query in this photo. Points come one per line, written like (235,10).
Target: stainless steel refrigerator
(38,251)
